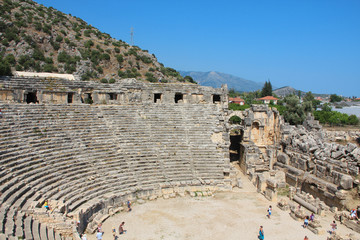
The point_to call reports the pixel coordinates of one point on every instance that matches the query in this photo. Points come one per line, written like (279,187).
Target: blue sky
(311,45)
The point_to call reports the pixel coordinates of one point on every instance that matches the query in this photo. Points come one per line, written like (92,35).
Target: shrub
(5,69)
(104,80)
(5,42)
(121,74)
(100,70)
(235,120)
(87,33)
(38,55)
(89,44)
(112,80)
(10,59)
(117,50)
(119,58)
(150,77)
(63,57)
(105,56)
(189,79)
(59,38)
(353,120)
(48,67)
(55,45)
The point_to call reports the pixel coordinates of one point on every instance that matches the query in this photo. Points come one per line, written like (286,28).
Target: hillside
(216,79)
(284,91)
(40,39)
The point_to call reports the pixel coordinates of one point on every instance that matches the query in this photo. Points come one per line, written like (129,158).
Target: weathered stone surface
(346,182)
(283,158)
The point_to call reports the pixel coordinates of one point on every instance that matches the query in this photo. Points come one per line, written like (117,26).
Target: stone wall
(127,91)
(260,138)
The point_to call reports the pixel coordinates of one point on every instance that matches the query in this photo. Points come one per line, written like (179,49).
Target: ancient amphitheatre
(166,148)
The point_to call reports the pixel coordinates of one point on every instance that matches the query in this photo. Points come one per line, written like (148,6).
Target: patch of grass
(284,191)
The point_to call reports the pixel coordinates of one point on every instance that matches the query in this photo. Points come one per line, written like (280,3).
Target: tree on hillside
(5,69)
(267,89)
(294,113)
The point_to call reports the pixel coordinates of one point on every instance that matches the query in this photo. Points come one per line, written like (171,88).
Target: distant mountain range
(216,79)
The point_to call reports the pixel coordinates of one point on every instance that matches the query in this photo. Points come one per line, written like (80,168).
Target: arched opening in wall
(178,97)
(255,126)
(216,98)
(70,97)
(157,97)
(236,137)
(31,97)
(112,96)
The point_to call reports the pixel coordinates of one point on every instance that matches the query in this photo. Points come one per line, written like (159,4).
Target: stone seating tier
(77,154)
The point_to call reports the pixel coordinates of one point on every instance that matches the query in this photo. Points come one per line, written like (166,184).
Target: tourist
(83,237)
(312,217)
(100,228)
(306,238)
(0,113)
(121,228)
(46,205)
(261,233)
(269,211)
(353,214)
(129,205)
(306,222)
(99,235)
(114,233)
(333,227)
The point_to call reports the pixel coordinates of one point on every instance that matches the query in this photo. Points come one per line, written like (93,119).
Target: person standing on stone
(269,211)
(0,113)
(99,235)
(312,217)
(129,205)
(121,228)
(333,227)
(306,222)
(261,233)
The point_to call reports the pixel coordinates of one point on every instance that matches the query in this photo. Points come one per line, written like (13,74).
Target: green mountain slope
(40,39)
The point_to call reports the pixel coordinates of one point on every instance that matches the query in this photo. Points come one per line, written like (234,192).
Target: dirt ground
(227,215)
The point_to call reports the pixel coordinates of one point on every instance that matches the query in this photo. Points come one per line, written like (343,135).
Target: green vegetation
(5,69)
(150,77)
(189,79)
(238,107)
(334,118)
(294,112)
(235,120)
(335,98)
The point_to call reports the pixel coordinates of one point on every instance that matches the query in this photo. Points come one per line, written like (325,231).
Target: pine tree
(267,89)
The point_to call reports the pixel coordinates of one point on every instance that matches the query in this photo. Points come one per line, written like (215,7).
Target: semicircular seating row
(76,154)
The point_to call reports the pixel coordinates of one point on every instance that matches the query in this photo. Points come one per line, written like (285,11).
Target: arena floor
(227,216)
